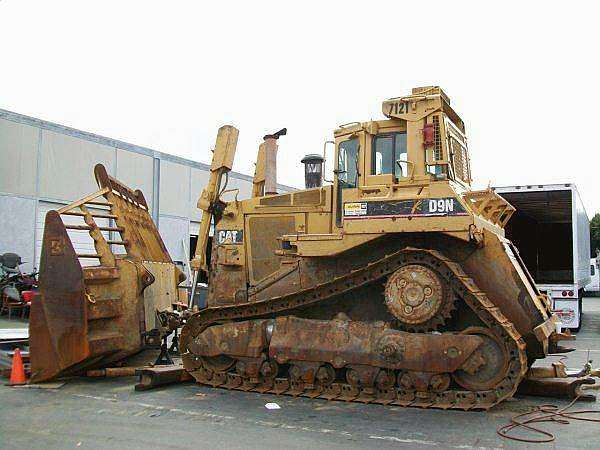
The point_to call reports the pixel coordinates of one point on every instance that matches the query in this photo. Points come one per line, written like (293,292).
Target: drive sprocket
(417,297)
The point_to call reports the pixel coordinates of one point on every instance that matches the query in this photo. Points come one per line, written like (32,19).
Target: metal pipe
(193,290)
(270,166)
(325,159)
(112,372)
(271,161)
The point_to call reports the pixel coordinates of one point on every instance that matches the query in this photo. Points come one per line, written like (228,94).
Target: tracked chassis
(394,284)
(388,375)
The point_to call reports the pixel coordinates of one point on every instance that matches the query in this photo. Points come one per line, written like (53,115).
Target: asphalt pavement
(109,414)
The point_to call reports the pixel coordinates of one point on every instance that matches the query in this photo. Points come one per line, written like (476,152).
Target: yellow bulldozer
(393,284)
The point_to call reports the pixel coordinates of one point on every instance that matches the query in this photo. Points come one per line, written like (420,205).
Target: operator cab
(423,140)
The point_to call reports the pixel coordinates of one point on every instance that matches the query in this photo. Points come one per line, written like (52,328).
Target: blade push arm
(222,163)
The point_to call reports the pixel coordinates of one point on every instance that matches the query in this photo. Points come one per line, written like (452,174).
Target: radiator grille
(460,160)
(437,146)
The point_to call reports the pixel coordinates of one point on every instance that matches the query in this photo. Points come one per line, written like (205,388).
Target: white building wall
(18,163)
(17,228)
(67,165)
(136,170)
(45,165)
(174,230)
(174,193)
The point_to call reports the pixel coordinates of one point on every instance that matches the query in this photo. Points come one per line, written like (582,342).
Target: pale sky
(166,74)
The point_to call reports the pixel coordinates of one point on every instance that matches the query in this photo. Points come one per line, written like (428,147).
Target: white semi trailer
(552,232)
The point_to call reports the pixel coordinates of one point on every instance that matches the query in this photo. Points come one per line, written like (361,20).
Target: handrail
(325,159)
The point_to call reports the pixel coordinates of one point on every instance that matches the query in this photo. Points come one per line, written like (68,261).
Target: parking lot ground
(108,413)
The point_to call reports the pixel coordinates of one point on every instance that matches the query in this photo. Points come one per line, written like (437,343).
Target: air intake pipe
(313,171)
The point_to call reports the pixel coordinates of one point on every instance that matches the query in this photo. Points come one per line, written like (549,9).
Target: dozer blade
(88,317)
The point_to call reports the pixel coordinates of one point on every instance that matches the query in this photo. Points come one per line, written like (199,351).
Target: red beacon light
(428,135)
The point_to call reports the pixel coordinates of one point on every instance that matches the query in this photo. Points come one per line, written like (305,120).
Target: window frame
(393,135)
(345,180)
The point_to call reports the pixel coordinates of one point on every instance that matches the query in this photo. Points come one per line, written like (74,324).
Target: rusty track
(452,398)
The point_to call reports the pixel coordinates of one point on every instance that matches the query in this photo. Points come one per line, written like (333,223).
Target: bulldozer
(105,298)
(393,283)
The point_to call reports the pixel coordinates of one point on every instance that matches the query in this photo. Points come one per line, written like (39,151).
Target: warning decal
(405,208)
(355,209)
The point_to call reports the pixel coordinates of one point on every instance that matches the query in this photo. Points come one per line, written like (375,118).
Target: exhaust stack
(271,161)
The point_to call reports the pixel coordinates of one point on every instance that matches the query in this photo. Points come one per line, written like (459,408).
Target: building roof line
(110,142)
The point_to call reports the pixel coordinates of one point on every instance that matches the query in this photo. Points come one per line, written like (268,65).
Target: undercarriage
(442,342)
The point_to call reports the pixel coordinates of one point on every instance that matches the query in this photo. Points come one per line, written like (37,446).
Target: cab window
(347,163)
(389,155)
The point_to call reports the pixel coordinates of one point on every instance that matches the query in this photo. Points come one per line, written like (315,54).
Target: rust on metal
(113,372)
(87,317)
(558,388)
(153,377)
(343,342)
(417,298)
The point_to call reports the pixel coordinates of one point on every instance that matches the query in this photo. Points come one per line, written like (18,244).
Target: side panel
(136,170)
(227,274)
(262,242)
(581,242)
(56,157)
(594,284)
(161,294)
(174,192)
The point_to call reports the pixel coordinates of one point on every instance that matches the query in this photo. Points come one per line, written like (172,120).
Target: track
(397,393)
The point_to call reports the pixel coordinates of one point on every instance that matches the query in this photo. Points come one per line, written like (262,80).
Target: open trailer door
(551,230)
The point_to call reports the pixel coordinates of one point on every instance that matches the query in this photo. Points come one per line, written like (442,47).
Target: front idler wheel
(486,366)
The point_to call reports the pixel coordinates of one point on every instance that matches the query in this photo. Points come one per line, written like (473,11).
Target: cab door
(347,171)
